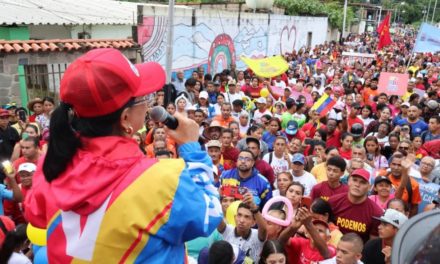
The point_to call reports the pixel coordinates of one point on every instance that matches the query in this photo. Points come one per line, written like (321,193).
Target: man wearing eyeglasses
(246,175)
(428,183)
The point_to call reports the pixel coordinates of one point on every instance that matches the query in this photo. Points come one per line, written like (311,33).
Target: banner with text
(393,83)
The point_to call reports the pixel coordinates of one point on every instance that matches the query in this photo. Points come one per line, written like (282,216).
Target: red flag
(384,32)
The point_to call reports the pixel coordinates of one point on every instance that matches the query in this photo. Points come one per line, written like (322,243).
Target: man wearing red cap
(353,211)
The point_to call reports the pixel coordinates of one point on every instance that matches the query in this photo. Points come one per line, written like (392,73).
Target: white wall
(104,31)
(220,37)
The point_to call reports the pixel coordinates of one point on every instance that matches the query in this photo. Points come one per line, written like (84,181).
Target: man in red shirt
(326,189)
(333,134)
(306,250)
(229,152)
(353,211)
(31,154)
(292,131)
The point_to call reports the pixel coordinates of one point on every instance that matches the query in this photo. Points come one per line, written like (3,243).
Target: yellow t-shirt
(406,96)
(320,172)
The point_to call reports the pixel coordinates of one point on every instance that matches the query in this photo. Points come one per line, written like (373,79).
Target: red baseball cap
(363,173)
(4,112)
(103,80)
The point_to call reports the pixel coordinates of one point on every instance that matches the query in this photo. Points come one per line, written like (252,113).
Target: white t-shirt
(280,84)
(229,98)
(251,245)
(18,258)
(278,165)
(258,115)
(333,261)
(308,180)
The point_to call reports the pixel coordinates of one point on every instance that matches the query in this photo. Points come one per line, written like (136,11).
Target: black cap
(381,179)
(290,102)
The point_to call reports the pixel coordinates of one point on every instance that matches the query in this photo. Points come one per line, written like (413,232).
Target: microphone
(159,114)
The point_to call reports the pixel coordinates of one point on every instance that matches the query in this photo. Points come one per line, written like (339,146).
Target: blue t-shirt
(416,128)
(428,192)
(4,194)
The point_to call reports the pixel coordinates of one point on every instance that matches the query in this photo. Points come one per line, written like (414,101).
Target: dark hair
(274,119)
(162,153)
(295,183)
(228,130)
(248,151)
(322,207)
(64,140)
(323,133)
(405,205)
(271,247)
(374,139)
(13,239)
(35,141)
(368,107)
(345,135)
(221,252)
(253,128)
(318,143)
(190,82)
(327,150)
(436,117)
(49,99)
(338,162)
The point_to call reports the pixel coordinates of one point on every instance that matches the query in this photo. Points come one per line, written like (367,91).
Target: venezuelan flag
(323,105)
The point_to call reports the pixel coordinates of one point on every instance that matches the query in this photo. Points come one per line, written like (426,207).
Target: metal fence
(44,80)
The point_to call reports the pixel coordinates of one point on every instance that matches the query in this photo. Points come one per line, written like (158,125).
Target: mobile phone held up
(306,202)
(22,115)
(233,191)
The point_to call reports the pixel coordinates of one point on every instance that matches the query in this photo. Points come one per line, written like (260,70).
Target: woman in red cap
(96,194)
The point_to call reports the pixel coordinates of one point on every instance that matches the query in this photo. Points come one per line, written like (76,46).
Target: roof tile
(17,46)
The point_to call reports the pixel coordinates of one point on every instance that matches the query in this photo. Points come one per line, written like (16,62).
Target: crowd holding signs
(317,156)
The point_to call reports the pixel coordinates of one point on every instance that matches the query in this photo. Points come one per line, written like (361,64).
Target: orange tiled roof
(48,45)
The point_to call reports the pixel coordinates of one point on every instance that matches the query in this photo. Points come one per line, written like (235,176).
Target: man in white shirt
(278,159)
(232,94)
(262,110)
(348,251)
(248,239)
(300,175)
(179,83)
(279,83)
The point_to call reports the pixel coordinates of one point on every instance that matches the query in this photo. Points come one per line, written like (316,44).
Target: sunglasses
(403,148)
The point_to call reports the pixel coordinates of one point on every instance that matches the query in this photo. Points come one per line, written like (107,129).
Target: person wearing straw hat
(98,196)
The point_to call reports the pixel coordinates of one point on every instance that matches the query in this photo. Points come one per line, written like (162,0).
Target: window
(43,79)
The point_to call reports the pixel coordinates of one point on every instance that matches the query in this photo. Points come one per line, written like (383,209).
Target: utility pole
(345,18)
(170,36)
(427,13)
(433,12)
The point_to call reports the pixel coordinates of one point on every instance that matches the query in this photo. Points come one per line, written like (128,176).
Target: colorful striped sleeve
(196,209)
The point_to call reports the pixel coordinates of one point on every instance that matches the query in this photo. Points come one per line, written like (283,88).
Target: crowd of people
(353,175)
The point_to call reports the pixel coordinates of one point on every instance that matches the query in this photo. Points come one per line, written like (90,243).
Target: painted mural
(218,39)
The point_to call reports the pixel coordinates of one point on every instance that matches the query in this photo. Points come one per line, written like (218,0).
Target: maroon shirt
(324,191)
(266,170)
(356,218)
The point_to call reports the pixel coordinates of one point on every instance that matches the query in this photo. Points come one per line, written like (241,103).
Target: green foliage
(332,9)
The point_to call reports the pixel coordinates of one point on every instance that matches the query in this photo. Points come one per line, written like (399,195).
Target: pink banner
(309,99)
(393,83)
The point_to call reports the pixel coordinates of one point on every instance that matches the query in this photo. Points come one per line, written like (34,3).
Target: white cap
(393,217)
(29,167)
(261,100)
(203,94)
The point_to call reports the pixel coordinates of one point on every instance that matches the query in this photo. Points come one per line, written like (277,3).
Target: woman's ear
(124,119)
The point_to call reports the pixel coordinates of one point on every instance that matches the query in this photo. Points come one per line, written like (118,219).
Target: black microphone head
(158,114)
